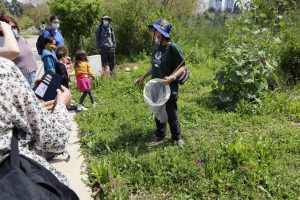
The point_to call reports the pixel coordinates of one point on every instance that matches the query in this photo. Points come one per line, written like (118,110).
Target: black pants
(90,93)
(108,58)
(171,108)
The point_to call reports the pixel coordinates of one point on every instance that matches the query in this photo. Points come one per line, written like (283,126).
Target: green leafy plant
(251,54)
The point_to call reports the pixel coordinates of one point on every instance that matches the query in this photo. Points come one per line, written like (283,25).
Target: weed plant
(228,155)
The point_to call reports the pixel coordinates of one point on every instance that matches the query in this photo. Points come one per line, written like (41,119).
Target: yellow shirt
(84,68)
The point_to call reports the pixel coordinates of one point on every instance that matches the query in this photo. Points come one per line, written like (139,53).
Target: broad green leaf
(226,96)
(262,15)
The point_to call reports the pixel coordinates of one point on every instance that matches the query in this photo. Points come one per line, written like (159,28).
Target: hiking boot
(180,143)
(157,140)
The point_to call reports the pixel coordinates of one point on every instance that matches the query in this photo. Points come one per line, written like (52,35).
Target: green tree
(16,8)
(3,7)
(181,8)
(37,13)
(78,19)
(130,20)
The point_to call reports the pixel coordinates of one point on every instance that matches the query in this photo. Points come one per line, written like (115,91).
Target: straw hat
(106,17)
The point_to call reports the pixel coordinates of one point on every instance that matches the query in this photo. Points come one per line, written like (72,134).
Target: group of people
(55,56)
(45,125)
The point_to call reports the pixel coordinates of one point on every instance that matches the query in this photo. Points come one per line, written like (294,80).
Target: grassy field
(228,155)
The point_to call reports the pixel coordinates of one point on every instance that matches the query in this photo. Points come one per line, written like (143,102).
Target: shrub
(290,61)
(25,22)
(78,17)
(130,20)
(251,54)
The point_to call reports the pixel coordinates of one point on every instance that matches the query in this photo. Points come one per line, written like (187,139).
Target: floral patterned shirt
(20,107)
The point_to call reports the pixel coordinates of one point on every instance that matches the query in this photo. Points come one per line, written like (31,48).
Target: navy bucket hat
(163,27)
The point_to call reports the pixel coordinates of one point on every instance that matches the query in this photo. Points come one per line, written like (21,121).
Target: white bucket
(96,65)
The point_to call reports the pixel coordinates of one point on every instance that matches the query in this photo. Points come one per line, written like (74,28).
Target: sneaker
(180,143)
(80,107)
(94,105)
(84,108)
(71,107)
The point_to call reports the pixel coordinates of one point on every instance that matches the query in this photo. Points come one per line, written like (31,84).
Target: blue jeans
(30,78)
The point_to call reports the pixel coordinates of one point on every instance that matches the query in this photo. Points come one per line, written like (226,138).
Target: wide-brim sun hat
(106,17)
(163,26)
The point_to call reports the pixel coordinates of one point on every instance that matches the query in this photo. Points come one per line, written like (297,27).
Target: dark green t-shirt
(165,60)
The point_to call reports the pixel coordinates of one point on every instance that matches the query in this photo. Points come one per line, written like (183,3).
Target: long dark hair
(47,40)
(81,56)
(53,17)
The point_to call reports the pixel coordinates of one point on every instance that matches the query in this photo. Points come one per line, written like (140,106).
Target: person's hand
(63,96)
(49,105)
(139,81)
(167,80)
(37,82)
(4,27)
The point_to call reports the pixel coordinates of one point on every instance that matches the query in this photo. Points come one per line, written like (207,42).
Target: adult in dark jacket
(106,43)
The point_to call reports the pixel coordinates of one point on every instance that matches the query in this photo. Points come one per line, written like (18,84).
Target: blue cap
(163,27)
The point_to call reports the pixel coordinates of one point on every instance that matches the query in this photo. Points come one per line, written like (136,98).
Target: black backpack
(40,41)
(24,179)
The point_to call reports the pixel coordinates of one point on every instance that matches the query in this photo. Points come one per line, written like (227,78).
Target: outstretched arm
(142,78)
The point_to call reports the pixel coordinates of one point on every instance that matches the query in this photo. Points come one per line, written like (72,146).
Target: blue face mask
(1,41)
(16,34)
(55,26)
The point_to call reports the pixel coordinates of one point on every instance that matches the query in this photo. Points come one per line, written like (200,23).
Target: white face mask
(55,26)
(105,22)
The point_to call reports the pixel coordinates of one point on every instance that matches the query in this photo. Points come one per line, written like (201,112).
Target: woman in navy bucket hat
(166,57)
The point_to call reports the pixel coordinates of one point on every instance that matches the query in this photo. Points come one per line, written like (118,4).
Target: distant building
(221,5)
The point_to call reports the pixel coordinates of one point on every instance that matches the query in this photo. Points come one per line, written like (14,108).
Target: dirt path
(74,168)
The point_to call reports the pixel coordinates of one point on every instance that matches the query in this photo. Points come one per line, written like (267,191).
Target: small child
(83,73)
(61,66)
(66,59)
(48,54)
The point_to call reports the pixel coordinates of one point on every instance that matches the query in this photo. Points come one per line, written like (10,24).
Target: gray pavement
(74,168)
